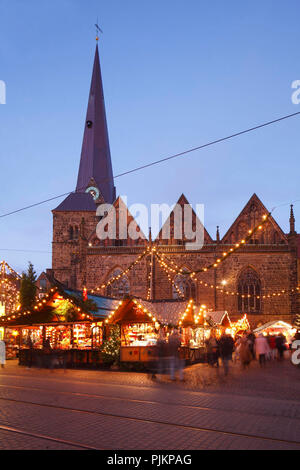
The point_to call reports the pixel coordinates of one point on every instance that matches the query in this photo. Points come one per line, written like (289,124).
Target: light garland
(167,270)
(9,293)
(180,271)
(126,271)
(190,310)
(41,304)
(226,254)
(139,306)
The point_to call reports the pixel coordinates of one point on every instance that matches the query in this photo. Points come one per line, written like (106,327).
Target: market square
(178,332)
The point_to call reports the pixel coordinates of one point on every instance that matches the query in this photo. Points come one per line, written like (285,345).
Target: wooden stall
(59,328)
(140,322)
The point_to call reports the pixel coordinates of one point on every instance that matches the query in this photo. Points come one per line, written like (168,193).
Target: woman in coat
(245,352)
(262,348)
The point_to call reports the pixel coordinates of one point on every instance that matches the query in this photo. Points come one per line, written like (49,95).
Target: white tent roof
(274,324)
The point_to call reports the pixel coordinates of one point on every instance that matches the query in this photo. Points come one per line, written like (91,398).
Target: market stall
(59,326)
(195,332)
(219,321)
(276,327)
(140,322)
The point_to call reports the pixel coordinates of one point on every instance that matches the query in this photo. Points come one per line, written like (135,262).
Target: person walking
(160,365)
(245,352)
(2,353)
(213,350)
(174,353)
(272,344)
(280,345)
(251,339)
(261,349)
(226,348)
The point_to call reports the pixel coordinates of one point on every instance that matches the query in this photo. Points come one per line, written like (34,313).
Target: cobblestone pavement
(253,409)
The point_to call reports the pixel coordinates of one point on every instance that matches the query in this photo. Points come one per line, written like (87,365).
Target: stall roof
(105,304)
(166,312)
(219,318)
(134,309)
(272,324)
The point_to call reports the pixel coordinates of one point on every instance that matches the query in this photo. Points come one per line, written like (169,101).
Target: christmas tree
(111,347)
(28,288)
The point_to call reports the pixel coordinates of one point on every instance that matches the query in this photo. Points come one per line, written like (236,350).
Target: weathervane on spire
(98,30)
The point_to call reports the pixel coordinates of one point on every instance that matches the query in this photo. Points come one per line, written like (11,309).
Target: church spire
(292,221)
(95,164)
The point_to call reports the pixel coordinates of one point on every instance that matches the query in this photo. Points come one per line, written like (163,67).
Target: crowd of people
(245,348)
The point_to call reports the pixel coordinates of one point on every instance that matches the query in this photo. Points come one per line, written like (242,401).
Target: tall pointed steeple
(95,168)
(292,221)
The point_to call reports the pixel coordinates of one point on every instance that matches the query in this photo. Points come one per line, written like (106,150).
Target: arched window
(71,233)
(119,288)
(185,286)
(249,289)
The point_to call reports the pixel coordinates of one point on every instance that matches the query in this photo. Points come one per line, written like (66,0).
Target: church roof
(95,162)
(77,202)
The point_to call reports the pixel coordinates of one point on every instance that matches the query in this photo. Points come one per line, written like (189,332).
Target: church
(259,279)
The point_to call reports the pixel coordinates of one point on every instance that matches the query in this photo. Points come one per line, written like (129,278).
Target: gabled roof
(219,318)
(137,310)
(77,202)
(95,159)
(182,201)
(244,217)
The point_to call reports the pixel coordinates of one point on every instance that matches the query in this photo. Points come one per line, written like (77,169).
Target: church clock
(94,192)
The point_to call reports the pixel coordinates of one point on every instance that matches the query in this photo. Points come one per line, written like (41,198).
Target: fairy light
(226,254)
(124,273)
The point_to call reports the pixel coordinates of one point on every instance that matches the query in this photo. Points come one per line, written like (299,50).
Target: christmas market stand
(61,325)
(195,332)
(141,322)
(219,321)
(274,328)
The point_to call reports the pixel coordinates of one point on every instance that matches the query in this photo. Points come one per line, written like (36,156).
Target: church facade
(261,278)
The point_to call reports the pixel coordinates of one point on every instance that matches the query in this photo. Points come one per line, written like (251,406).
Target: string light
(124,273)
(226,254)
(39,305)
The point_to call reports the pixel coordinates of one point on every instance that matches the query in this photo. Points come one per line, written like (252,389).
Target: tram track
(75,445)
(139,401)
(137,420)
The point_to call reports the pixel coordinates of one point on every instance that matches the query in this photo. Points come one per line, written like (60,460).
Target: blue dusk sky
(177,74)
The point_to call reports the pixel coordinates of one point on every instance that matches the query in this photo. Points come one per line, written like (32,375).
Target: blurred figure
(162,364)
(245,351)
(272,344)
(280,345)
(2,353)
(176,364)
(251,339)
(30,352)
(262,349)
(213,350)
(226,348)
